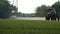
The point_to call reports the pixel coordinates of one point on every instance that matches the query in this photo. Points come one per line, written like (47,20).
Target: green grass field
(10,26)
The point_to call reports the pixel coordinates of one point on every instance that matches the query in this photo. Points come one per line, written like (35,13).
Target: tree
(41,11)
(56,5)
(5,9)
(13,9)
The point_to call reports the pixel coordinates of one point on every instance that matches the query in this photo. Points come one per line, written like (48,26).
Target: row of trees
(6,9)
(42,10)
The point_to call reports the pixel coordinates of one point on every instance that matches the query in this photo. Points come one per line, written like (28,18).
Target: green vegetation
(6,9)
(56,5)
(43,9)
(10,26)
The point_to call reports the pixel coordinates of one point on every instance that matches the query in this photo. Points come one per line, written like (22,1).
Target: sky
(29,6)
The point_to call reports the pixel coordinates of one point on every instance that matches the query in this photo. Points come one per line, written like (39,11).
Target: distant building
(25,15)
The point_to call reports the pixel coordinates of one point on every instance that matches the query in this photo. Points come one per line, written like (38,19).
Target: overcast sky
(29,6)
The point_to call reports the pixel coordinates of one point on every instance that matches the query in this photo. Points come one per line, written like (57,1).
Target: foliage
(57,7)
(13,10)
(41,11)
(5,9)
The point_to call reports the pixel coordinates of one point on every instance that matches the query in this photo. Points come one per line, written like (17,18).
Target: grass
(10,26)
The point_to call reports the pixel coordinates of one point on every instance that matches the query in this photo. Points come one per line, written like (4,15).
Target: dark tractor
(52,15)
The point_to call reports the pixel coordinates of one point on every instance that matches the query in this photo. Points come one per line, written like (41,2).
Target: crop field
(11,26)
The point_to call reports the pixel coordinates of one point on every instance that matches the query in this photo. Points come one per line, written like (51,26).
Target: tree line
(6,9)
(41,11)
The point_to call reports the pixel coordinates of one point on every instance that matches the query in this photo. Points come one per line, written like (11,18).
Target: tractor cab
(52,14)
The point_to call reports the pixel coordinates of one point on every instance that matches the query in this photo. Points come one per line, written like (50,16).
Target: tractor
(52,15)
